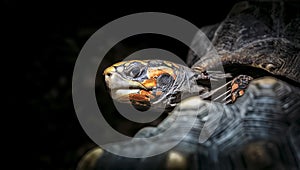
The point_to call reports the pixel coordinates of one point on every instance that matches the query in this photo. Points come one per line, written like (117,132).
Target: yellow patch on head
(109,70)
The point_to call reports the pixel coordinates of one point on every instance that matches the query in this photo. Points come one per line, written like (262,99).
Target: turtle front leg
(238,87)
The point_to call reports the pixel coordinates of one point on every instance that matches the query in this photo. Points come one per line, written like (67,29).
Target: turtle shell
(259,35)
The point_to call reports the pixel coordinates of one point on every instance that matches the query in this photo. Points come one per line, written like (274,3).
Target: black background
(44,40)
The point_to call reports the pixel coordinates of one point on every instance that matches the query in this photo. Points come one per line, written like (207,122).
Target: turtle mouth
(125,90)
(123,95)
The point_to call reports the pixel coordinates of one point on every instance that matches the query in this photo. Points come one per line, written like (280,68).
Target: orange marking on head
(149,83)
(147,94)
(143,96)
(138,97)
(155,73)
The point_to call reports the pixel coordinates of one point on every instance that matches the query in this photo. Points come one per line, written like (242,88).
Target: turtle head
(146,83)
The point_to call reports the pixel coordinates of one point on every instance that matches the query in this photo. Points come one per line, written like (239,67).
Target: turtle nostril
(108,74)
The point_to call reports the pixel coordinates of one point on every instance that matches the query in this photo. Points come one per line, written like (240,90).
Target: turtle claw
(229,101)
(226,93)
(239,85)
(236,89)
(228,96)
(214,91)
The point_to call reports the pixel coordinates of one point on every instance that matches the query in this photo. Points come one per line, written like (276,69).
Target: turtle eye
(135,72)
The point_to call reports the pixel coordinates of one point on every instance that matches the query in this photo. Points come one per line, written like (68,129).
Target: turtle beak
(120,88)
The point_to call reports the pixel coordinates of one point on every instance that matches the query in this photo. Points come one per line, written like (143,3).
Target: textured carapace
(263,35)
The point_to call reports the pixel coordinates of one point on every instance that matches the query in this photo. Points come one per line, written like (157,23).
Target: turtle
(259,128)
(159,84)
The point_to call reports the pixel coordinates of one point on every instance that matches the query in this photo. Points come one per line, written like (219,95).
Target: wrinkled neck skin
(184,86)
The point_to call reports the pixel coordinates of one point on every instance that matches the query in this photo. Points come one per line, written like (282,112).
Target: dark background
(44,40)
